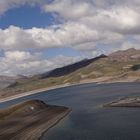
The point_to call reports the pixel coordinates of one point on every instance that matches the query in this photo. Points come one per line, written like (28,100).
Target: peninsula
(29,120)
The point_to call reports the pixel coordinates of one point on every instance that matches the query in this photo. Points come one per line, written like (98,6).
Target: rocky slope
(125,102)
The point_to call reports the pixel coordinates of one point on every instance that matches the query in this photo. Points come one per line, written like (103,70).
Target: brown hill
(70,68)
(28,120)
(121,66)
(127,55)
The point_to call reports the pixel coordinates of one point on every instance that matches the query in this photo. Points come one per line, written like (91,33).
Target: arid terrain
(29,120)
(120,66)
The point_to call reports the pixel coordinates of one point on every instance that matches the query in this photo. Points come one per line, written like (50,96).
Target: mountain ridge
(100,69)
(70,68)
(127,55)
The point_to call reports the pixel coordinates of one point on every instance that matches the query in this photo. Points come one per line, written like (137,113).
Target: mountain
(6,81)
(120,66)
(70,68)
(127,55)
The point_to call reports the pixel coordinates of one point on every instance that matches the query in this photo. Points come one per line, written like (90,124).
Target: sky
(39,35)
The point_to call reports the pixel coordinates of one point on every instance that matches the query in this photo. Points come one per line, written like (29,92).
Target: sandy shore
(31,93)
(101,80)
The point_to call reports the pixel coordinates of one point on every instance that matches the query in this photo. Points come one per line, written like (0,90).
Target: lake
(88,119)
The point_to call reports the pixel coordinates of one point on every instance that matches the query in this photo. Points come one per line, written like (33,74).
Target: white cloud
(70,9)
(25,63)
(117,18)
(70,34)
(86,22)
(85,25)
(18,56)
(15,38)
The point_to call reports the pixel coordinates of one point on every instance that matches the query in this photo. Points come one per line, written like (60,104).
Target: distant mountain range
(6,81)
(120,66)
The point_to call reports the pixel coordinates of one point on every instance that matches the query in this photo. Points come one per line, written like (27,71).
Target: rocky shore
(125,102)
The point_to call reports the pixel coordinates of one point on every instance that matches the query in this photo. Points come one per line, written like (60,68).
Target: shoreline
(127,102)
(10,98)
(55,123)
(52,123)
(35,124)
(105,80)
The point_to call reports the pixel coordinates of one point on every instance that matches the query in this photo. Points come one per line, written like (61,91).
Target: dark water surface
(88,120)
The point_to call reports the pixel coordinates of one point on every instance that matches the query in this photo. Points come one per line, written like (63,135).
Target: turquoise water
(88,120)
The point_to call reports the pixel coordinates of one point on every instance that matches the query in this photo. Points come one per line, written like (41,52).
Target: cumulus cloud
(70,9)
(84,25)
(70,34)
(113,17)
(113,20)
(25,63)
(76,35)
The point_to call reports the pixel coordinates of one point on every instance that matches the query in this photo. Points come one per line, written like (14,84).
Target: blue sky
(26,17)
(37,35)
(63,51)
